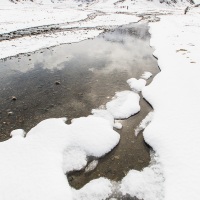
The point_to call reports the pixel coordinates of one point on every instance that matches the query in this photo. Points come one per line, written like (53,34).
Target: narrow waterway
(70,80)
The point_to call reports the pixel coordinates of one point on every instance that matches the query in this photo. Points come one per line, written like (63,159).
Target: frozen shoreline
(174,95)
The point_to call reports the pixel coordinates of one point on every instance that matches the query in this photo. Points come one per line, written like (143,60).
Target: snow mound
(124,104)
(146,75)
(135,84)
(34,167)
(104,114)
(18,132)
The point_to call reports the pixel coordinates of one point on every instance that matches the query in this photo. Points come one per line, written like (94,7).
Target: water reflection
(89,72)
(124,49)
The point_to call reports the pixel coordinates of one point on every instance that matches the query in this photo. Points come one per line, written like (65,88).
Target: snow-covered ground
(175,96)
(68,14)
(34,166)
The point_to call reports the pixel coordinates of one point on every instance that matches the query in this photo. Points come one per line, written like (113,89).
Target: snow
(68,14)
(118,125)
(98,189)
(32,167)
(106,20)
(18,132)
(147,184)
(136,85)
(15,17)
(91,166)
(104,114)
(144,123)
(75,164)
(124,104)
(175,96)
(33,43)
(146,75)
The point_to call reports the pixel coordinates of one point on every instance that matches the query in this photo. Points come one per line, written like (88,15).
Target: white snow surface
(32,167)
(107,20)
(69,14)
(144,123)
(33,43)
(175,96)
(18,132)
(17,17)
(136,85)
(146,75)
(146,184)
(91,166)
(124,104)
(98,189)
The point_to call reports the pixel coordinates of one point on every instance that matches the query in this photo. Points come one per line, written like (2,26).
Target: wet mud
(70,80)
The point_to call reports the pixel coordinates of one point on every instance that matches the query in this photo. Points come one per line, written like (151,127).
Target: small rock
(116,157)
(70,178)
(14,98)
(10,113)
(57,82)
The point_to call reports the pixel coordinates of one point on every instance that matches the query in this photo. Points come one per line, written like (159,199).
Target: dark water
(70,80)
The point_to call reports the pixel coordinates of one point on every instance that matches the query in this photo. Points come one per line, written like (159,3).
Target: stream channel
(70,80)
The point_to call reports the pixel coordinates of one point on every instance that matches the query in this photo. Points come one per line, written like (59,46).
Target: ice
(146,75)
(136,85)
(124,104)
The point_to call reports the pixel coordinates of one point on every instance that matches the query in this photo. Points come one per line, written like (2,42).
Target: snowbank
(175,96)
(32,167)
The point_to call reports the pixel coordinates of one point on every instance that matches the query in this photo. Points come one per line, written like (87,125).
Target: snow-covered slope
(96,1)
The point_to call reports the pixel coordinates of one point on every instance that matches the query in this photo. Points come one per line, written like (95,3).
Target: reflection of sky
(119,49)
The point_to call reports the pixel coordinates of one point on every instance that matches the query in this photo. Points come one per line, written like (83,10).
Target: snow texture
(144,123)
(136,85)
(98,189)
(146,75)
(147,184)
(18,132)
(124,104)
(175,96)
(33,43)
(91,166)
(32,167)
